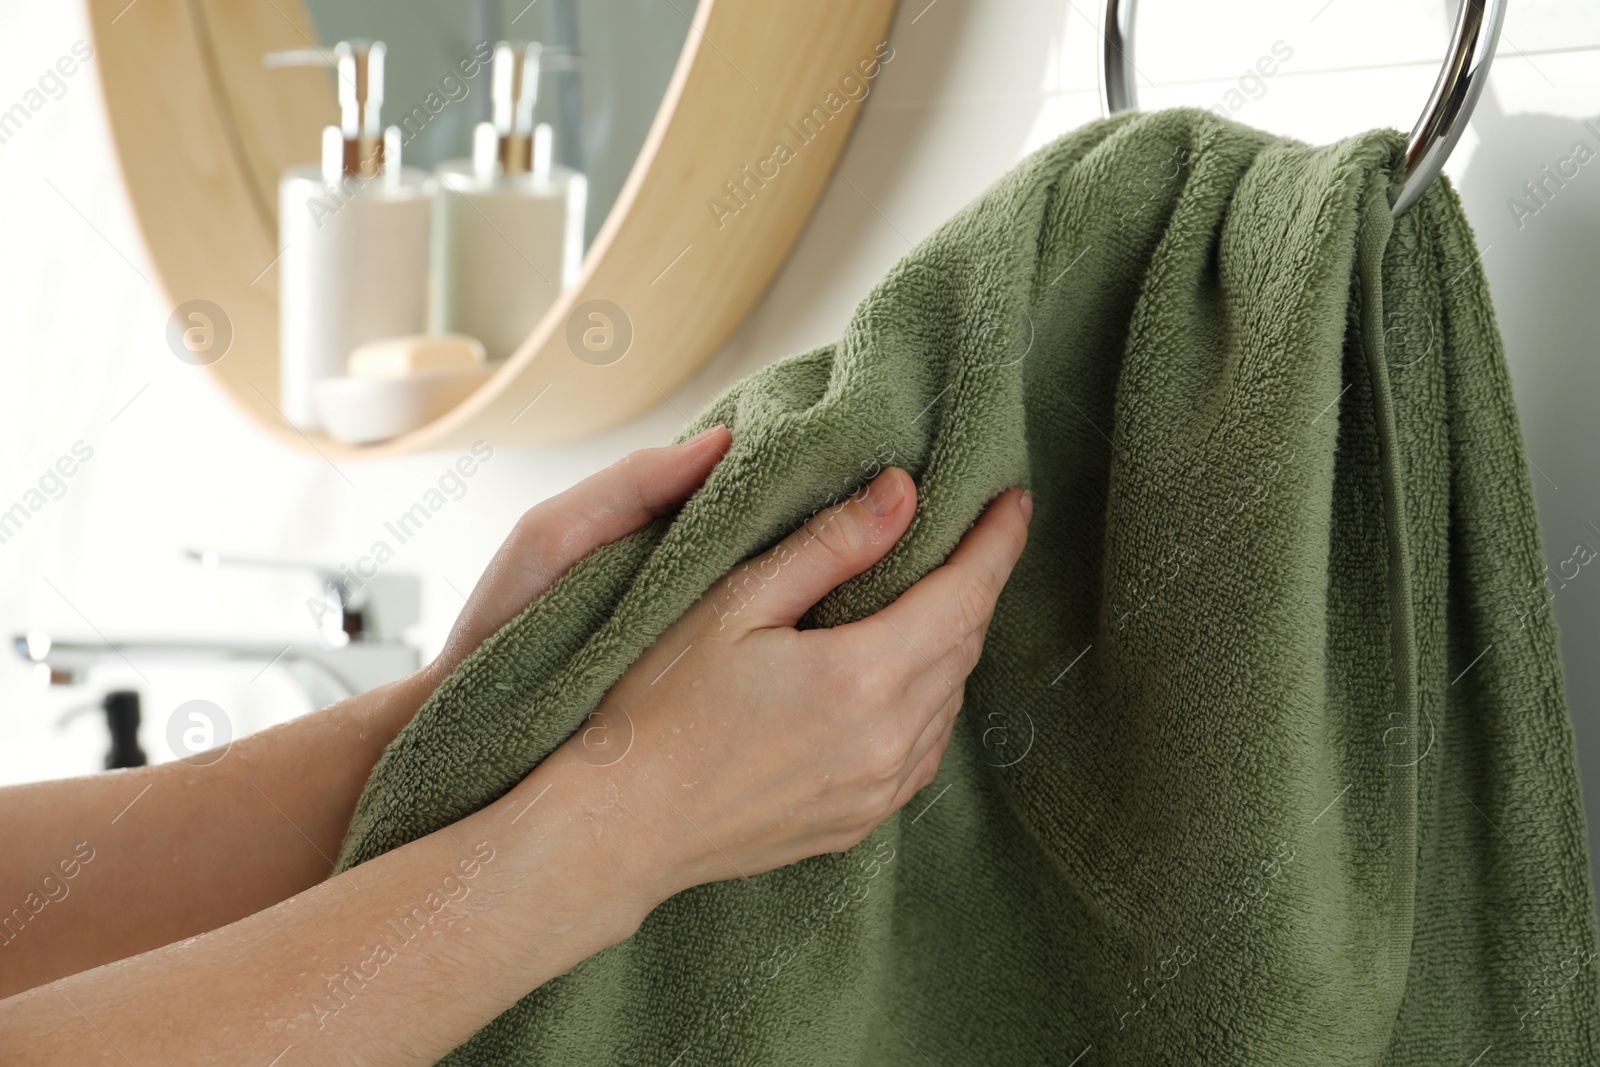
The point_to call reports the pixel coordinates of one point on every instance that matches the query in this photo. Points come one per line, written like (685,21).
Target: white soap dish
(362,411)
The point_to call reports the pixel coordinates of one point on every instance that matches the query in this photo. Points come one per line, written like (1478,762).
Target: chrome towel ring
(1455,94)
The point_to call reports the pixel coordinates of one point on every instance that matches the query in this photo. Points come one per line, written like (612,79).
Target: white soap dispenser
(353,235)
(508,223)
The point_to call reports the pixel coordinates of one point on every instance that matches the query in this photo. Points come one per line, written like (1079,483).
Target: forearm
(158,854)
(395,962)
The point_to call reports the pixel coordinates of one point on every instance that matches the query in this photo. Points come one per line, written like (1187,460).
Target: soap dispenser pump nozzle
(510,143)
(513,93)
(359,146)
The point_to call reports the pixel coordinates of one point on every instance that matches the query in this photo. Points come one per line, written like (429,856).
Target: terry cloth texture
(1266,760)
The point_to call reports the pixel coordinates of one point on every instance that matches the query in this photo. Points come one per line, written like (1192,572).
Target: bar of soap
(401,357)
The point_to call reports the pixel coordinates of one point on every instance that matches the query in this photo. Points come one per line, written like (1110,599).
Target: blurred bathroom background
(974,86)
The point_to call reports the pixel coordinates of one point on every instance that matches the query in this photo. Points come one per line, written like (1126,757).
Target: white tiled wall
(974,85)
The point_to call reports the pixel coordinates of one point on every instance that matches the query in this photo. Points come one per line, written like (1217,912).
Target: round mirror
(385,225)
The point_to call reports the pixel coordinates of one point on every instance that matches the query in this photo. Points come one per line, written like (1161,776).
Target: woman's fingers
(797,743)
(555,534)
(954,602)
(928,640)
(835,545)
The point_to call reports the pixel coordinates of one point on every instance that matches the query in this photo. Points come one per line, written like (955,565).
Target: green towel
(1266,761)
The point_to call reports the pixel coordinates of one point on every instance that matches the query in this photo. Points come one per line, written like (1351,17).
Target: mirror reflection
(475,152)
(599,106)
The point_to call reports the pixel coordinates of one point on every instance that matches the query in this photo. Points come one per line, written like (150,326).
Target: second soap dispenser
(508,223)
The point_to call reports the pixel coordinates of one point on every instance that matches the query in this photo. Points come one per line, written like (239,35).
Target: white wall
(972,88)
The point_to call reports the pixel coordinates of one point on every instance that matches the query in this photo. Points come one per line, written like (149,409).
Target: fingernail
(885,494)
(1025,502)
(703,434)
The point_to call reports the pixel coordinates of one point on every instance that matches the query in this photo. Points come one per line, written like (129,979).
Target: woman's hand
(555,534)
(737,743)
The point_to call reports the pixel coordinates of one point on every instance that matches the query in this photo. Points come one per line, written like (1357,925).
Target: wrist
(617,820)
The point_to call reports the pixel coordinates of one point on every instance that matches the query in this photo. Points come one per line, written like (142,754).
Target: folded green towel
(1266,761)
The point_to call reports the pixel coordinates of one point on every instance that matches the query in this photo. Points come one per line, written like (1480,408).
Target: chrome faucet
(360,621)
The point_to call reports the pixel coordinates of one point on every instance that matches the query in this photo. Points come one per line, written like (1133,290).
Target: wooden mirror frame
(197,149)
